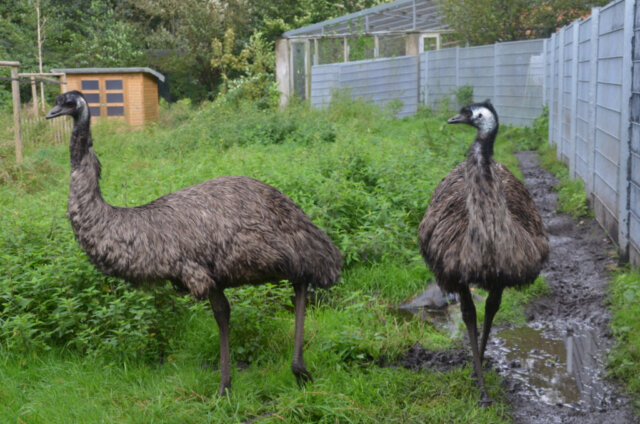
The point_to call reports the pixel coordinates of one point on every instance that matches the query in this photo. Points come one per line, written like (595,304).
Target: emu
(482,228)
(224,232)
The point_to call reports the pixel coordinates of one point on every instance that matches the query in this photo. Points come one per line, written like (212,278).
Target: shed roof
(397,16)
(111,71)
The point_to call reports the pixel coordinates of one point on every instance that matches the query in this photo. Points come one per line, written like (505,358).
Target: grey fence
(511,74)
(587,74)
(380,81)
(592,80)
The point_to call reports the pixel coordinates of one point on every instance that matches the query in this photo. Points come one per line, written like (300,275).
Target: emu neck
(84,189)
(485,200)
(481,151)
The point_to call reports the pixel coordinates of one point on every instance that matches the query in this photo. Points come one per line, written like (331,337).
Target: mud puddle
(558,367)
(553,368)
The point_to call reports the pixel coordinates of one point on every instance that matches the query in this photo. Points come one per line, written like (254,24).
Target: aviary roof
(397,16)
(110,71)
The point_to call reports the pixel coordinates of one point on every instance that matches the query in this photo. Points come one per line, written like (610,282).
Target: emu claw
(485,401)
(224,390)
(302,376)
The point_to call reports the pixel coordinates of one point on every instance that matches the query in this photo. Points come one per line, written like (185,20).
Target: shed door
(105,96)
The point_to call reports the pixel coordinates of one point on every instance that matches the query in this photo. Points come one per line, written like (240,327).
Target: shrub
(464,95)
(50,295)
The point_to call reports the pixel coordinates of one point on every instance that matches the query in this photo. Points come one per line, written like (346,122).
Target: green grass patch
(58,388)
(515,301)
(572,197)
(624,360)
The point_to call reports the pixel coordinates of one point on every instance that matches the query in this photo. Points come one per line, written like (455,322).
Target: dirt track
(554,367)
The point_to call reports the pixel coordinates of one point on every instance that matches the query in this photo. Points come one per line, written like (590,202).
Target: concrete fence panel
(380,81)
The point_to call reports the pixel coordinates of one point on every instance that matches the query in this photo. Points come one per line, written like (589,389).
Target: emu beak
(458,119)
(56,111)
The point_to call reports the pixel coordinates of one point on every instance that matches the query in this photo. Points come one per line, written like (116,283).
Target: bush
(464,95)
(361,175)
(5,98)
(50,295)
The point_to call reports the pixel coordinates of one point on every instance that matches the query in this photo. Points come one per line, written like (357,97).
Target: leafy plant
(624,359)
(464,95)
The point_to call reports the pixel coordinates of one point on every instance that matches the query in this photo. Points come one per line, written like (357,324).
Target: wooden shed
(123,93)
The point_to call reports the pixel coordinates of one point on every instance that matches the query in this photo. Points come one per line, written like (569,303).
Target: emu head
(480,115)
(70,103)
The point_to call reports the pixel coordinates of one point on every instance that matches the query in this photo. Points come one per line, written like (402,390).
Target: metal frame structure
(414,20)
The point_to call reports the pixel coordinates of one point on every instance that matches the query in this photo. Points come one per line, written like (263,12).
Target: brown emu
(224,232)
(482,228)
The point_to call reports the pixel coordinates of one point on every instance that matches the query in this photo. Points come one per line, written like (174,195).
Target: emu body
(224,232)
(482,228)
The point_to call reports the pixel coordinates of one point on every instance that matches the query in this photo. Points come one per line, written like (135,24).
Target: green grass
(71,389)
(625,324)
(77,346)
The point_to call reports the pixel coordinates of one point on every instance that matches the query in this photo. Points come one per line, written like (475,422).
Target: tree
(273,17)
(104,40)
(480,22)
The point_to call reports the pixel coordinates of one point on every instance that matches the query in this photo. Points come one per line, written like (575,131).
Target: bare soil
(553,368)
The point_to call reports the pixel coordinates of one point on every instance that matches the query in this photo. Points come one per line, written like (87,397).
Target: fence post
(553,83)
(457,67)
(34,96)
(574,98)
(544,74)
(15,93)
(625,132)
(593,80)
(425,95)
(495,77)
(559,125)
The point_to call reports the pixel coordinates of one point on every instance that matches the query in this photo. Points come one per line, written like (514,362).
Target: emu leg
(469,317)
(297,365)
(221,312)
(490,308)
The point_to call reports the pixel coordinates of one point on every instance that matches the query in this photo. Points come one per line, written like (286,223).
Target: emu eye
(70,104)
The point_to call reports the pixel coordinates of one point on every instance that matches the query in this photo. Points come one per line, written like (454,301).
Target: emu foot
(485,401)
(225,389)
(302,375)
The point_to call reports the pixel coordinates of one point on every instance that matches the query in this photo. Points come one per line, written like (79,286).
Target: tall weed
(360,174)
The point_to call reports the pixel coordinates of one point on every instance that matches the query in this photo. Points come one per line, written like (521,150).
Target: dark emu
(225,232)
(482,228)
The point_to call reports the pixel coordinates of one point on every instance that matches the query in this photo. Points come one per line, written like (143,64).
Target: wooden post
(17,131)
(34,96)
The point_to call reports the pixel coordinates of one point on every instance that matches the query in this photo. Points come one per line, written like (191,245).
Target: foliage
(277,16)
(464,95)
(5,100)
(52,298)
(354,169)
(479,22)
(223,60)
(572,197)
(529,138)
(103,40)
(256,61)
(625,325)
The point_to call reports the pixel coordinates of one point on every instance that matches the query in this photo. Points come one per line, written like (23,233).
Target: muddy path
(553,367)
